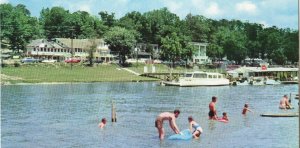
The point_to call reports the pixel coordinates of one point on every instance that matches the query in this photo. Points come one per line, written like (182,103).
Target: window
(200,75)
(210,76)
(188,75)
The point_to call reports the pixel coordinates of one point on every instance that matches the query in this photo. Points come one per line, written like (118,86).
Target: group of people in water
(194,127)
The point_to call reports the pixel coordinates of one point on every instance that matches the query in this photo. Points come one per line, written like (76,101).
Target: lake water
(67,115)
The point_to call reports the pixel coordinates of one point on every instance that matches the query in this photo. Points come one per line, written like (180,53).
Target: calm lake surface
(67,115)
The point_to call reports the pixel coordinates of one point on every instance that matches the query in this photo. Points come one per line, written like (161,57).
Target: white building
(62,48)
(199,57)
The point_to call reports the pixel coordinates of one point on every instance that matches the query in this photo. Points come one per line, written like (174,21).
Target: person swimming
(245,109)
(194,125)
(102,123)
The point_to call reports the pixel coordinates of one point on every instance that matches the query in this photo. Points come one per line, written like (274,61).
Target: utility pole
(72,49)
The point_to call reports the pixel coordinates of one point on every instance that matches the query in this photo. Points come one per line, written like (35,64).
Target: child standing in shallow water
(102,123)
(197,128)
(245,109)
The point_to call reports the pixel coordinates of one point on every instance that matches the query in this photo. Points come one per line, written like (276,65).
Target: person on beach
(197,128)
(171,117)
(245,109)
(102,123)
(212,114)
(225,118)
(284,103)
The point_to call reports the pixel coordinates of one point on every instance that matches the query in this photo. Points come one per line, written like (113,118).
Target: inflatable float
(186,135)
(280,115)
(222,120)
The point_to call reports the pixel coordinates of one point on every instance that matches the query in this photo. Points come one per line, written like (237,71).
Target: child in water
(245,109)
(102,123)
(197,128)
(225,118)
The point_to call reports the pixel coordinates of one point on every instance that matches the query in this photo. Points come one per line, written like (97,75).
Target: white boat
(272,82)
(199,78)
(258,81)
(243,83)
(235,83)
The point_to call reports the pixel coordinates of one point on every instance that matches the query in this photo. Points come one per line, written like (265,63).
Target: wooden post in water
(113,112)
(290,100)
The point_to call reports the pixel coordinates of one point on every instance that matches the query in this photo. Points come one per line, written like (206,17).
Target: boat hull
(201,82)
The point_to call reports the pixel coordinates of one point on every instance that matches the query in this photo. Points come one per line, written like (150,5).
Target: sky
(280,13)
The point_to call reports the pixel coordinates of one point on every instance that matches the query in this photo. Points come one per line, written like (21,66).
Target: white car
(49,61)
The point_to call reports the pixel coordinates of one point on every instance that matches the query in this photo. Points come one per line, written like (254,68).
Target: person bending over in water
(102,123)
(245,109)
(197,128)
(212,114)
(284,103)
(166,116)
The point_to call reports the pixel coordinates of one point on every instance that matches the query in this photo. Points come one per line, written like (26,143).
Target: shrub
(16,64)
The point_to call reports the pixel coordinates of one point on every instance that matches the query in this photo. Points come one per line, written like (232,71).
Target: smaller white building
(199,57)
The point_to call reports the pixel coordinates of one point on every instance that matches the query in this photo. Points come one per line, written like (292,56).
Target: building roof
(43,43)
(259,69)
(198,43)
(80,43)
(66,43)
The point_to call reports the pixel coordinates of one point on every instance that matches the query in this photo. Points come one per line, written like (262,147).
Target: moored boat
(199,78)
(272,82)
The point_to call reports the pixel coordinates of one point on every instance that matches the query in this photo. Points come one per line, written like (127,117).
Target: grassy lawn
(62,72)
(37,73)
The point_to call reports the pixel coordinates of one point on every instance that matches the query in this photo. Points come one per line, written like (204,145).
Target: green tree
(17,27)
(197,27)
(120,40)
(171,47)
(291,45)
(133,21)
(108,19)
(252,44)
(270,40)
(55,23)
(230,43)
(159,24)
(278,56)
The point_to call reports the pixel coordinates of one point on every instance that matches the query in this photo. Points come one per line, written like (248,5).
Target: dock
(165,76)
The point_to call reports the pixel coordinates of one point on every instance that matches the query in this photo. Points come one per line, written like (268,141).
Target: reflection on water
(67,115)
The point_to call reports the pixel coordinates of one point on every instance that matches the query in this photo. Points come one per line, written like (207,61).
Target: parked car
(49,61)
(29,60)
(156,61)
(72,60)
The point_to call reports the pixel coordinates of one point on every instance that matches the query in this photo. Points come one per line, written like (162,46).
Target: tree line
(231,38)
